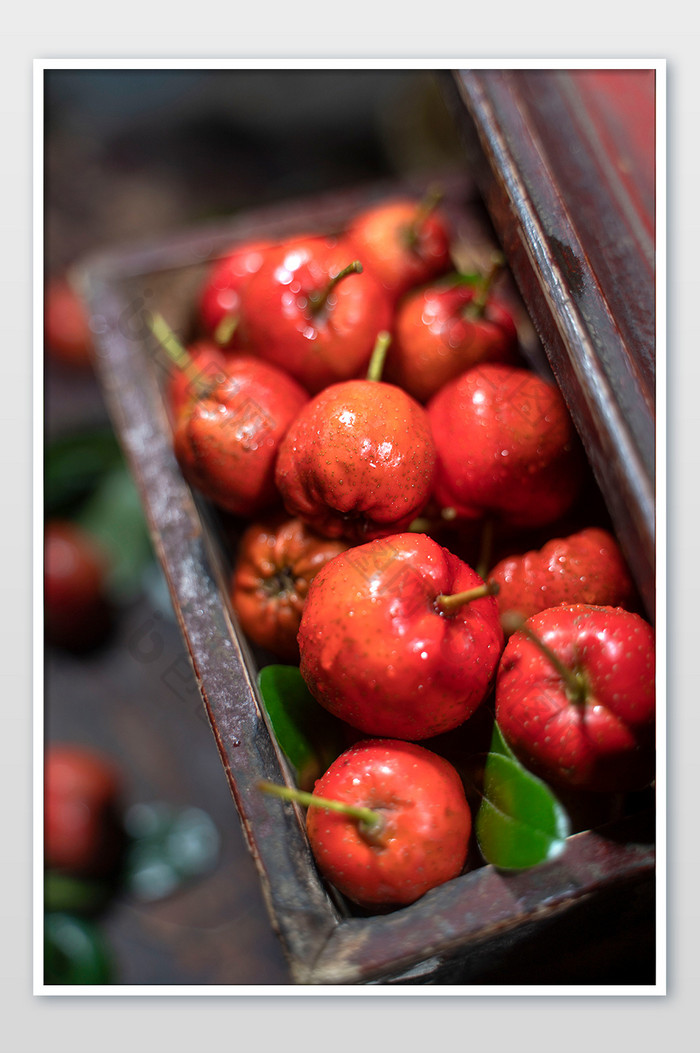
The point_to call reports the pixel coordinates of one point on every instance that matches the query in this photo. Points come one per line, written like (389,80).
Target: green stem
(484,564)
(576,687)
(372,823)
(318,300)
(476,307)
(449,604)
(376,362)
(177,354)
(223,334)
(424,209)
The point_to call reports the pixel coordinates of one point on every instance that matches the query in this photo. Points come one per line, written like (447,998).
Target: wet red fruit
(421,839)
(222,294)
(210,363)
(312,311)
(437,337)
(227,441)
(358,461)
(276,562)
(381,649)
(403,242)
(585,717)
(586,567)
(506,447)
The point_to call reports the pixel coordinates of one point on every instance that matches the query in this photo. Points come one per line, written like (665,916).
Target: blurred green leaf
(169,847)
(75,952)
(74,466)
(73,895)
(114,515)
(308,735)
(520,822)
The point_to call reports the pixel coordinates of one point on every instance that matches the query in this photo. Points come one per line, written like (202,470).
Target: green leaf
(114,515)
(73,467)
(308,735)
(169,847)
(520,822)
(73,895)
(75,952)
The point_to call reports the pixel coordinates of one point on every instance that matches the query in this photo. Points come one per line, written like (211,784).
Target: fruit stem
(371,822)
(486,551)
(318,299)
(223,334)
(449,604)
(476,307)
(425,207)
(178,354)
(376,362)
(575,685)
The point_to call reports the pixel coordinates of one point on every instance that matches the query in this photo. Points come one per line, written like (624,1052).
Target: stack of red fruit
(359,401)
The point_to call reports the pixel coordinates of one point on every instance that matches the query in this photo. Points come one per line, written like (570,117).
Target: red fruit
(380,651)
(76,609)
(67,334)
(222,294)
(506,447)
(422,836)
(404,243)
(227,441)
(586,567)
(81,829)
(584,718)
(358,461)
(210,364)
(277,561)
(436,338)
(301,315)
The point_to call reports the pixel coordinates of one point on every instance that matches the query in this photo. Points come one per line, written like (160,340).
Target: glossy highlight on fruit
(379,653)
(425,824)
(358,461)
(506,447)
(227,441)
(585,718)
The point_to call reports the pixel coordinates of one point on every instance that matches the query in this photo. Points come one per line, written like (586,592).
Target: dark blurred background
(133,155)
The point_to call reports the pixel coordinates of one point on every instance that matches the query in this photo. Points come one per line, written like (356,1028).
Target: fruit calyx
(371,824)
(318,298)
(575,684)
(449,604)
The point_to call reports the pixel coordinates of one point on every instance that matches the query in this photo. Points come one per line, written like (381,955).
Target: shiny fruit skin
(586,567)
(358,461)
(227,442)
(276,562)
(211,363)
(222,294)
(506,447)
(428,822)
(81,830)
(380,238)
(605,744)
(67,335)
(435,340)
(321,347)
(77,613)
(376,651)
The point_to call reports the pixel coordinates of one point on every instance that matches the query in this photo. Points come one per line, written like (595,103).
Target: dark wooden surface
(565,161)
